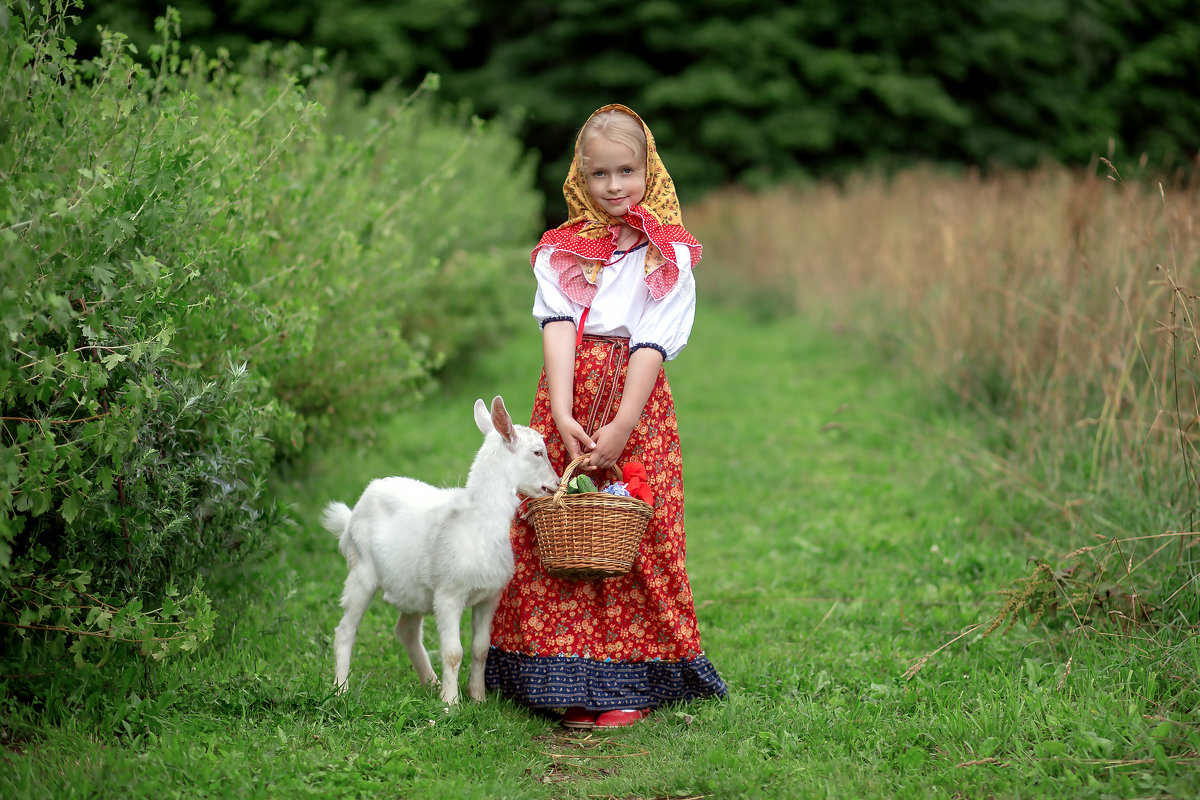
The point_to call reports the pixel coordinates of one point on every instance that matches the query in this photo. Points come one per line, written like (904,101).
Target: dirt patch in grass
(582,756)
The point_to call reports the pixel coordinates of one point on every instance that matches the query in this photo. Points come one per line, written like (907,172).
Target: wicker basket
(589,535)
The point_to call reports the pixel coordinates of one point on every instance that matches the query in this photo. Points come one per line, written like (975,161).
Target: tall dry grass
(1063,299)
(1061,304)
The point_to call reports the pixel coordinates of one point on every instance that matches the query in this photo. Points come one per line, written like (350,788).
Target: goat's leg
(447,611)
(408,631)
(481,639)
(356,596)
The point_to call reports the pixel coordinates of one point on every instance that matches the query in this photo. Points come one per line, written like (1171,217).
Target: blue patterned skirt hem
(565,681)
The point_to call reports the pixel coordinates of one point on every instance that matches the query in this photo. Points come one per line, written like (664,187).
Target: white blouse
(623,305)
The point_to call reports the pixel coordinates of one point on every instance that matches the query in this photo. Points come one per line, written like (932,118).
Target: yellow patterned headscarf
(588,238)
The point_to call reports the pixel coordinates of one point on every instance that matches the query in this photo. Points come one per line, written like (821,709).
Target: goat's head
(527,464)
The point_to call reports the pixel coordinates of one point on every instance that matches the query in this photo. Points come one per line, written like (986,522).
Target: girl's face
(616,177)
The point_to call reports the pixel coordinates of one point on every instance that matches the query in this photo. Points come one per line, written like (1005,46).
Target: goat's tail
(337,521)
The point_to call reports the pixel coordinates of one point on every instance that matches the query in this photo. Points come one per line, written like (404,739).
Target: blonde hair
(616,126)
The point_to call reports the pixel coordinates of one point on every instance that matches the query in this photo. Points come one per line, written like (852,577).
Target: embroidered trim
(661,350)
(633,249)
(612,384)
(565,681)
(548,320)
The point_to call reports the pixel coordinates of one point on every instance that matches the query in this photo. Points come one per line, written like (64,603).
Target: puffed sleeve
(666,324)
(551,302)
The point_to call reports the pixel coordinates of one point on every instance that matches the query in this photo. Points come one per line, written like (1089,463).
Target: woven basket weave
(589,535)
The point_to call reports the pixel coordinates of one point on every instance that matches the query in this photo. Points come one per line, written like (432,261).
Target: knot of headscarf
(588,239)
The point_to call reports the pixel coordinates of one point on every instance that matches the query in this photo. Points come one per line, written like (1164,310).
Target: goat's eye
(538,453)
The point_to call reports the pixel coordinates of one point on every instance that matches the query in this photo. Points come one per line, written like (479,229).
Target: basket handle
(568,473)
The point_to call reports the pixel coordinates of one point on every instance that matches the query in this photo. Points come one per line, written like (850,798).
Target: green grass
(836,535)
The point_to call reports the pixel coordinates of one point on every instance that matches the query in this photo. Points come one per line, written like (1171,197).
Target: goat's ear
(483,420)
(502,421)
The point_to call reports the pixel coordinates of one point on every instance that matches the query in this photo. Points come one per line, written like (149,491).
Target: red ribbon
(634,475)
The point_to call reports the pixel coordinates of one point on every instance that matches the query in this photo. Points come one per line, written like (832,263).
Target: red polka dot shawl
(588,238)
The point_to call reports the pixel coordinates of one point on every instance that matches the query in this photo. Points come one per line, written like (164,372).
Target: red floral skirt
(624,642)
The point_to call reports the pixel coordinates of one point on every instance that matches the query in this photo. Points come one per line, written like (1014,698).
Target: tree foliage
(762,93)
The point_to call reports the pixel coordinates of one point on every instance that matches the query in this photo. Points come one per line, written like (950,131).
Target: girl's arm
(644,365)
(558,354)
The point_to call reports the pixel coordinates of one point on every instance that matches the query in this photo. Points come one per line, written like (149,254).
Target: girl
(616,299)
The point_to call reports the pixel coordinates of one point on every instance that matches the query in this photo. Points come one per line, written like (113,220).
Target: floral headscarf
(588,238)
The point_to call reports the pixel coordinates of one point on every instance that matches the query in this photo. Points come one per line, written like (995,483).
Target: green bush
(204,267)
(400,236)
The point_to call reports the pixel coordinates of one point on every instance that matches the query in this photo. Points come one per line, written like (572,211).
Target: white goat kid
(437,551)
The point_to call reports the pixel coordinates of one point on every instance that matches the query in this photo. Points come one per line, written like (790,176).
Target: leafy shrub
(399,236)
(204,266)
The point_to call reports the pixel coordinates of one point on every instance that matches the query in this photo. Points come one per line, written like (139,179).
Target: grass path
(834,535)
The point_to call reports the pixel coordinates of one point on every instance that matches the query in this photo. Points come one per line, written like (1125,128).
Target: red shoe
(621,717)
(579,719)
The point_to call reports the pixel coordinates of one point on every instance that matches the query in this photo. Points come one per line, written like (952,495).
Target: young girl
(616,299)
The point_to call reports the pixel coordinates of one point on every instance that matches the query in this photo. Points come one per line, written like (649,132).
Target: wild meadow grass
(1064,299)
(837,534)
(1059,305)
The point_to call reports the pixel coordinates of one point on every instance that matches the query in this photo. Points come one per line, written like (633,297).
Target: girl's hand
(574,437)
(610,443)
